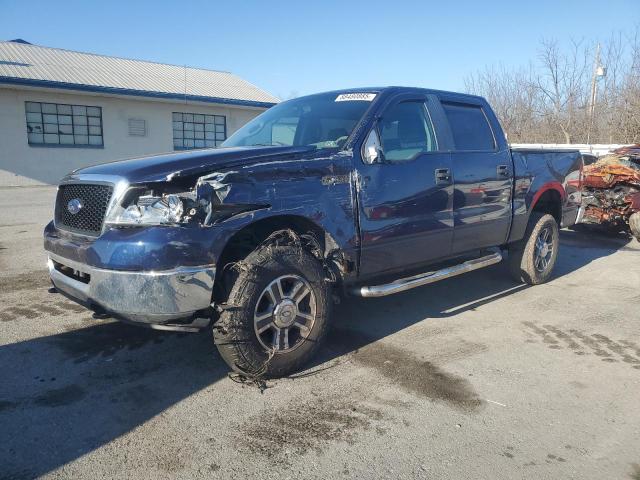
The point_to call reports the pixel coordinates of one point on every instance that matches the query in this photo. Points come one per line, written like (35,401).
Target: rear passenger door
(482,174)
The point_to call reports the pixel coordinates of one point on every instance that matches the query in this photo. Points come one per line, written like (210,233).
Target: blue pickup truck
(363,192)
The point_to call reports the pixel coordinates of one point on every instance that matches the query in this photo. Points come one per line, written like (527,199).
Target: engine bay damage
(611,195)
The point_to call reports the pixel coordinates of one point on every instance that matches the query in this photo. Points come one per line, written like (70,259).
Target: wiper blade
(277,144)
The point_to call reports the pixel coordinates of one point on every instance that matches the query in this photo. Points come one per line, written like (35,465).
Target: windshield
(324,121)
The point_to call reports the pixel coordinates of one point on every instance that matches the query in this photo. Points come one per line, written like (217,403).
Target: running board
(408,283)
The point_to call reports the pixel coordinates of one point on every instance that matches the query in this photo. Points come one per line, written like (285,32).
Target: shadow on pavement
(583,245)
(359,322)
(65,395)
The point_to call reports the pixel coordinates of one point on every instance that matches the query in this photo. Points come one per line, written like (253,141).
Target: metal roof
(26,64)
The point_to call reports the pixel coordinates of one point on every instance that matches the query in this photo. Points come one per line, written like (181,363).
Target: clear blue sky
(297,47)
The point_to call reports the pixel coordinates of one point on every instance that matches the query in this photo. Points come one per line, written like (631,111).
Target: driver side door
(405,199)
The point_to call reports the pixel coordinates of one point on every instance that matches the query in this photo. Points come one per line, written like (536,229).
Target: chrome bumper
(147,297)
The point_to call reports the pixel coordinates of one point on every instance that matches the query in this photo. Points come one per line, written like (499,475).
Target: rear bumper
(152,297)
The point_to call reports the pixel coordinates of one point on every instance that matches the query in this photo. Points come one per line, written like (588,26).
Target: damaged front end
(611,194)
(166,203)
(151,258)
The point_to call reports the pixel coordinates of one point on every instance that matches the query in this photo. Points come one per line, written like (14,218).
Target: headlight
(150,210)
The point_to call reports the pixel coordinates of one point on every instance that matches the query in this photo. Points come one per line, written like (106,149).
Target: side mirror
(371,148)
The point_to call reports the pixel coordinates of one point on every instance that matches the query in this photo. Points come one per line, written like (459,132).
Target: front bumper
(152,297)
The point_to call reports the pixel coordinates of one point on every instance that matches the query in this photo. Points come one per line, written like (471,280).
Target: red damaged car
(611,195)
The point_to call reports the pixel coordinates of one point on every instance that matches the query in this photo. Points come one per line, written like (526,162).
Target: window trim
(217,142)
(425,108)
(73,125)
(67,145)
(464,103)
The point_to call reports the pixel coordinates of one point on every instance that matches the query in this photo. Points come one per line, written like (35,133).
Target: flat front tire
(277,312)
(532,259)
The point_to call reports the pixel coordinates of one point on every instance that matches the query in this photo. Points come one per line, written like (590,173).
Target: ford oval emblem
(74,206)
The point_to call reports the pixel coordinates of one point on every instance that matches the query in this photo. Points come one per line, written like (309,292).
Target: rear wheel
(277,312)
(531,260)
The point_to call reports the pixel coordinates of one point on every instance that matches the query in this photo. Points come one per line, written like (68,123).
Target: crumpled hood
(158,168)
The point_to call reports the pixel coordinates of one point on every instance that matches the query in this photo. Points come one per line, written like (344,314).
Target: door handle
(443,176)
(503,170)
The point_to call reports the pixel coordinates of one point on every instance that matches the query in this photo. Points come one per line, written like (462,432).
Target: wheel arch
(548,199)
(251,235)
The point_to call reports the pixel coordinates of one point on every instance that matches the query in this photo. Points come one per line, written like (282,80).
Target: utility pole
(598,71)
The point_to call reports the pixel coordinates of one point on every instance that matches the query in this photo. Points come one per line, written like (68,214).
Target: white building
(61,110)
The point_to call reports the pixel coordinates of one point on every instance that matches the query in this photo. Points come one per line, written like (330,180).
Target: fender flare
(554,185)
(544,188)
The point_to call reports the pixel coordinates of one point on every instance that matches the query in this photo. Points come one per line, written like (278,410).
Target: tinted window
(406,131)
(469,126)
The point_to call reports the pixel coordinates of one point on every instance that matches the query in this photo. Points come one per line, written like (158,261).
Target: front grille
(94,200)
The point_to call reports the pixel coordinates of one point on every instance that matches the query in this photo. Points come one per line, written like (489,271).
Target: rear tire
(277,313)
(531,260)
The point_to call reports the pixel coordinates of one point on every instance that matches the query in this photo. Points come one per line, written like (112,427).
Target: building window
(67,125)
(194,130)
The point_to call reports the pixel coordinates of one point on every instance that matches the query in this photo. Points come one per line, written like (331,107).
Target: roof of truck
(406,88)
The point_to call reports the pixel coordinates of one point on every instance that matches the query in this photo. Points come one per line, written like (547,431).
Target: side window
(406,131)
(469,126)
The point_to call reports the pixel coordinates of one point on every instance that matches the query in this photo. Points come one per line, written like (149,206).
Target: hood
(158,168)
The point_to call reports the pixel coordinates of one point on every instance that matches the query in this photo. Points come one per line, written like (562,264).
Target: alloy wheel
(285,314)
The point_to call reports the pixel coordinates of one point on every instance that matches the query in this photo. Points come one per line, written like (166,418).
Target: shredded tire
(234,332)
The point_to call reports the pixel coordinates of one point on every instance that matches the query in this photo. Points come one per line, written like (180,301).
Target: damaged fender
(315,191)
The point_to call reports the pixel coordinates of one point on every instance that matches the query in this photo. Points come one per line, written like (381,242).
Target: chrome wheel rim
(285,314)
(543,250)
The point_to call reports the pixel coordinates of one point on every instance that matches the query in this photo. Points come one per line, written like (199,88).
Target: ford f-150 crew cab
(366,192)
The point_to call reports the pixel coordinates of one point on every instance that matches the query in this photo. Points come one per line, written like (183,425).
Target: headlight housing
(149,210)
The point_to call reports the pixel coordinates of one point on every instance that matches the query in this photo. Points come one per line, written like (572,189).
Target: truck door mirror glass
(371,149)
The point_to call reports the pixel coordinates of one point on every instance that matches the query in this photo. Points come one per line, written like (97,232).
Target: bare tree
(562,86)
(512,96)
(549,100)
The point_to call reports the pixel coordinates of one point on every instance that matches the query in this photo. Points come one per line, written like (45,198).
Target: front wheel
(531,260)
(277,312)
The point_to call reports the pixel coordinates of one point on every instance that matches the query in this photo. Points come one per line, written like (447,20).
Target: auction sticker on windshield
(355,97)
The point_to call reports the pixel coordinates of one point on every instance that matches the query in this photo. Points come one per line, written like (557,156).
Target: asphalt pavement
(473,377)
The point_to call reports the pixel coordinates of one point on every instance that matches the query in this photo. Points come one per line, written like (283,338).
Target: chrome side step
(408,283)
